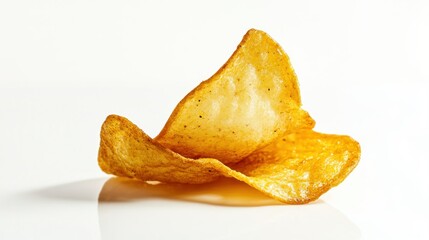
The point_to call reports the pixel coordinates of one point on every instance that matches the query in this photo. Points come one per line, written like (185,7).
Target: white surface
(66,65)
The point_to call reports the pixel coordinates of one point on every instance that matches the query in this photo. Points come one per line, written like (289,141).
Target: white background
(66,65)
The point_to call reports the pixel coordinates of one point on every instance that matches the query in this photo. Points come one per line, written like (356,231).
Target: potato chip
(295,169)
(252,100)
(246,123)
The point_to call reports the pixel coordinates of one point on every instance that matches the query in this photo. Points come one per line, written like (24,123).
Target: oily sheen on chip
(245,122)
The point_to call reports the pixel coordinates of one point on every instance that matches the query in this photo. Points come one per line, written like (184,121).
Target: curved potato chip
(252,100)
(247,115)
(295,169)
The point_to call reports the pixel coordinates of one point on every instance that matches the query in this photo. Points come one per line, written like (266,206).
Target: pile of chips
(245,122)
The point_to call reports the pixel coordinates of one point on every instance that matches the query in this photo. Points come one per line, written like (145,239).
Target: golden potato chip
(295,169)
(249,116)
(252,100)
